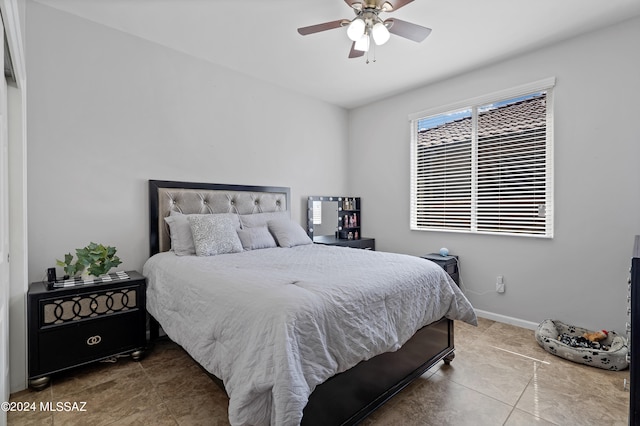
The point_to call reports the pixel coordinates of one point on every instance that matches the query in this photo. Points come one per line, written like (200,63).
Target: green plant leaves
(96,258)
(70,268)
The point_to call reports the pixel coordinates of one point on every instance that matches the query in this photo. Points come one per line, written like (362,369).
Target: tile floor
(500,376)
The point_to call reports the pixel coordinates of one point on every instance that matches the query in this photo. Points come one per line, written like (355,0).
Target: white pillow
(256,238)
(214,234)
(288,233)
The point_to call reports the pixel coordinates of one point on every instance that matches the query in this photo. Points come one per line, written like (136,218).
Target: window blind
(443,180)
(485,169)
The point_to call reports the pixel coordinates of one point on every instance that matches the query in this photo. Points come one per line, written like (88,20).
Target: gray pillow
(180,233)
(260,219)
(288,233)
(214,234)
(256,238)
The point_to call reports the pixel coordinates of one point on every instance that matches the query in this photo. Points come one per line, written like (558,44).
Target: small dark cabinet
(362,243)
(448,263)
(76,325)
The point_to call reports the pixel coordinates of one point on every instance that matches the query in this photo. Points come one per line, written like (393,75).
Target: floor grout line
(153,386)
(519,397)
(520,355)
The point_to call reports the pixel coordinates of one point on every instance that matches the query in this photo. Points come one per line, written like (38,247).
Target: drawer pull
(94,340)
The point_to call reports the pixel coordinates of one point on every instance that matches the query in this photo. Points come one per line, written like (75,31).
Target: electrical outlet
(500,284)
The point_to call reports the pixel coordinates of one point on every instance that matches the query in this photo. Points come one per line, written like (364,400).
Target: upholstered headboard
(203,198)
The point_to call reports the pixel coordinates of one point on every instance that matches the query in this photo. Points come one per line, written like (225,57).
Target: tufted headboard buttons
(199,198)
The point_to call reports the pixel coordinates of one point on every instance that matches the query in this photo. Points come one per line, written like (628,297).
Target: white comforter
(274,323)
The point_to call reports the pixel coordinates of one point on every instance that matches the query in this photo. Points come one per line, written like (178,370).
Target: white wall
(16,108)
(580,275)
(107,111)
(17,236)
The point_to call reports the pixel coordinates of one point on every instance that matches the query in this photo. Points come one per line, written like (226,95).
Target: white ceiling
(259,37)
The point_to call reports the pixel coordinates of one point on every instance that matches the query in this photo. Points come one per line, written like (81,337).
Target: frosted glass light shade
(380,33)
(362,44)
(355,30)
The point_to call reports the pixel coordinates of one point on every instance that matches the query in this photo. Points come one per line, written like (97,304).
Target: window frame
(547,85)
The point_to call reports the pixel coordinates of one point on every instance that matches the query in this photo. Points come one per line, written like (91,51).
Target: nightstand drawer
(63,310)
(85,341)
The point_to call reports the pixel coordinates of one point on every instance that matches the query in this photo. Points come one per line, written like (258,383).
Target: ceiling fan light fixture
(356,29)
(367,29)
(386,7)
(362,44)
(380,33)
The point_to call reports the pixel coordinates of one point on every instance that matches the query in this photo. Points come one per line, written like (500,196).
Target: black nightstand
(76,325)
(361,243)
(448,263)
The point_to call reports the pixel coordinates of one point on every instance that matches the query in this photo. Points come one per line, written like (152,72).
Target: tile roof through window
(519,116)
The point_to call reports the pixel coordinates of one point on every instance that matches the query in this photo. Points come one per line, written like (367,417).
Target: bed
(298,333)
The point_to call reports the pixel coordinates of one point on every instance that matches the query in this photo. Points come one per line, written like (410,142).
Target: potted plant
(94,259)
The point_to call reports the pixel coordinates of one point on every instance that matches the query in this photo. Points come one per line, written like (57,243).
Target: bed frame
(346,398)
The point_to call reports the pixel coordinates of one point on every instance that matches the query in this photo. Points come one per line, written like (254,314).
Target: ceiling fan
(367,25)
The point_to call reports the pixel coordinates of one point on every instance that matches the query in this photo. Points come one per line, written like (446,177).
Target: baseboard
(507,320)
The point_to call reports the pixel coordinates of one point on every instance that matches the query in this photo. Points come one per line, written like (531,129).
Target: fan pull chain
(367,61)
(374,53)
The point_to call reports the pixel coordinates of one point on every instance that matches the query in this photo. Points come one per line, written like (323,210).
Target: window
(485,166)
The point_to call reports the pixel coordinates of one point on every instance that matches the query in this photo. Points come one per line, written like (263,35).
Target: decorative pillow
(180,233)
(288,233)
(260,219)
(214,234)
(256,238)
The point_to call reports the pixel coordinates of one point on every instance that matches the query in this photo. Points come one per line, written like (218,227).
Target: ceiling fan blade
(391,5)
(322,27)
(407,30)
(355,4)
(353,53)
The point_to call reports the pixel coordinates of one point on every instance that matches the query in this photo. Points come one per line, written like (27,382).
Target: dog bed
(611,356)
